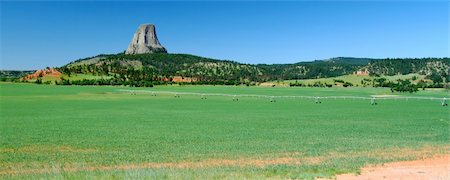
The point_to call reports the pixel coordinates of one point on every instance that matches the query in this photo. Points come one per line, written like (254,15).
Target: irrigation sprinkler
(373,101)
(272,99)
(318,100)
(444,102)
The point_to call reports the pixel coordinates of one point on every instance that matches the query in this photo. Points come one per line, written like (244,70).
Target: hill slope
(160,66)
(164,68)
(436,69)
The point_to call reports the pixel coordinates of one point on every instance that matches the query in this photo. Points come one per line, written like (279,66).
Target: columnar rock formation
(145,41)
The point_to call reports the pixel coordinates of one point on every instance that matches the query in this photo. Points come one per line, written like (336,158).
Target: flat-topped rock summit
(145,41)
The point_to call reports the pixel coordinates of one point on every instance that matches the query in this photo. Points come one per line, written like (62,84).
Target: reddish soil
(43,73)
(183,79)
(433,168)
(362,72)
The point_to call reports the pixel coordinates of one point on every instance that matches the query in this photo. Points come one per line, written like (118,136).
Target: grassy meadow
(75,132)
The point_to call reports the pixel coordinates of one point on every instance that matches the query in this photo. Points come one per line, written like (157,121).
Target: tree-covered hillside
(162,68)
(436,69)
(156,67)
(12,74)
(308,70)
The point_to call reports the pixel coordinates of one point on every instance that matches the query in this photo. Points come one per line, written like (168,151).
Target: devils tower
(145,41)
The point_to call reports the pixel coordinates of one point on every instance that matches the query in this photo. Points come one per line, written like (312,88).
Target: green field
(72,77)
(75,132)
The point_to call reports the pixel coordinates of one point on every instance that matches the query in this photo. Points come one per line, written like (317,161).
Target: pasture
(78,132)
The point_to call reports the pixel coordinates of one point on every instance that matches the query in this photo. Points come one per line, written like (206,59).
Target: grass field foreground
(75,132)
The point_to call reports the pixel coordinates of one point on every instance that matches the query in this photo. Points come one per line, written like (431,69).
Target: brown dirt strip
(177,165)
(437,167)
(294,158)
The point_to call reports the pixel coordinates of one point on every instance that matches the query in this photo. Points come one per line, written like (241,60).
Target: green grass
(72,77)
(63,130)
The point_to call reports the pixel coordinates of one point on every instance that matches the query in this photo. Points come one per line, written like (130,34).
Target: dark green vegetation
(11,75)
(159,68)
(146,70)
(142,69)
(399,85)
(424,66)
(84,132)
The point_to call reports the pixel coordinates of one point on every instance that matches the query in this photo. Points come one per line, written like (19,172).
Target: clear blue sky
(39,34)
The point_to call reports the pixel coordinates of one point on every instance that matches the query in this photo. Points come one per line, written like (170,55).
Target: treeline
(404,86)
(395,86)
(139,83)
(109,82)
(321,84)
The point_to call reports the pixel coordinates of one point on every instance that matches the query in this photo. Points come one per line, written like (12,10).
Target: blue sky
(39,34)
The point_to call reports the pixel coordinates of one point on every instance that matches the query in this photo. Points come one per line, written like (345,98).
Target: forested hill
(160,66)
(409,65)
(5,74)
(436,69)
(157,67)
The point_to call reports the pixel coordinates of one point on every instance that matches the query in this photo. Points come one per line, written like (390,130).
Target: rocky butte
(145,41)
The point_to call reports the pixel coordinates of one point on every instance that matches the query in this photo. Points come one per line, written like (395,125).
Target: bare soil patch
(437,167)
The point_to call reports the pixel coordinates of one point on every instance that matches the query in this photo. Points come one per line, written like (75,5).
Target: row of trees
(320,84)
(383,82)
(138,83)
(109,82)
(397,86)
(315,84)
(404,86)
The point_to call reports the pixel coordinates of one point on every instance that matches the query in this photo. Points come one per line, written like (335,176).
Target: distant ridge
(352,60)
(161,65)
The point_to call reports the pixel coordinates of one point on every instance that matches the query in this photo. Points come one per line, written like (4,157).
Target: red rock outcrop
(43,73)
